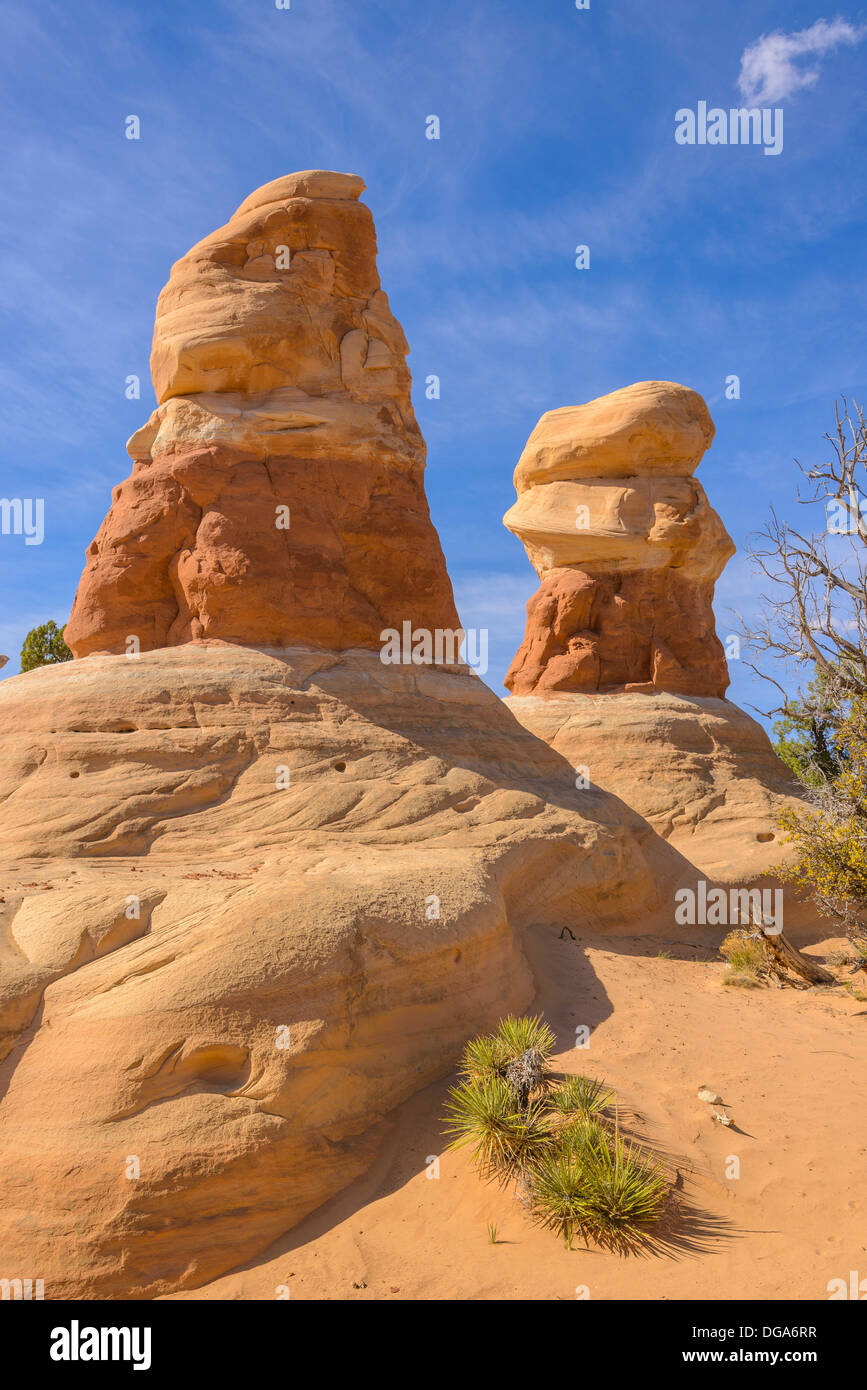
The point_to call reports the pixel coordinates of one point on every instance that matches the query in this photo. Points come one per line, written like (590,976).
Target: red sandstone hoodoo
(625,544)
(277,492)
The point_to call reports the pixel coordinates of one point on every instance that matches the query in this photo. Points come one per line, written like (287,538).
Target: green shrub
(485,1056)
(44,646)
(577,1175)
(519,1035)
(558,1194)
(581,1095)
(599,1188)
(507,1140)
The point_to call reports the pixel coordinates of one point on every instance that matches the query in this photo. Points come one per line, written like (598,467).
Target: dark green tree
(805,739)
(44,646)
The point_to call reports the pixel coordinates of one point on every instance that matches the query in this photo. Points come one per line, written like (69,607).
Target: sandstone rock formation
(625,544)
(621,670)
(277,491)
(697,768)
(257,886)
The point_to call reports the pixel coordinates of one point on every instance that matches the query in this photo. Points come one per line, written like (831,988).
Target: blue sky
(557,128)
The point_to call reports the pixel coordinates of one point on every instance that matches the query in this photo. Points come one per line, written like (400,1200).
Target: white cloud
(776,65)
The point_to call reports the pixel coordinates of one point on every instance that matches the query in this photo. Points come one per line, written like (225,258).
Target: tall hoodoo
(625,544)
(277,493)
(330,861)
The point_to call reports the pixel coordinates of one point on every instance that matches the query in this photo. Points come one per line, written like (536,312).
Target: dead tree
(815,612)
(787,959)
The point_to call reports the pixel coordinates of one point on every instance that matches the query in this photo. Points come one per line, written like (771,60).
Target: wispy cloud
(777,65)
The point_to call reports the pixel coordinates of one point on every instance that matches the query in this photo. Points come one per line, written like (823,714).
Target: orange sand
(790,1065)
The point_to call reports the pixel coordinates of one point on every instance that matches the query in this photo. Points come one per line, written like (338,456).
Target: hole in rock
(765,835)
(340,767)
(218,1064)
(75,774)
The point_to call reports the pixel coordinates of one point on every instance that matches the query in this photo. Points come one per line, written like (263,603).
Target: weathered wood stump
(787,958)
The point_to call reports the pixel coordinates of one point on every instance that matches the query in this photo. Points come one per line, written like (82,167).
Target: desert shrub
(600,1188)
(44,646)
(581,1095)
(829,837)
(518,1053)
(557,1195)
(747,956)
(519,1035)
(484,1057)
(507,1139)
(554,1139)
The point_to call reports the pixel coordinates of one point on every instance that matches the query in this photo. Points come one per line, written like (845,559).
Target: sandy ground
(790,1065)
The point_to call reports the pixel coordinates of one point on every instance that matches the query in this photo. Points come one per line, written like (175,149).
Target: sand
(789,1063)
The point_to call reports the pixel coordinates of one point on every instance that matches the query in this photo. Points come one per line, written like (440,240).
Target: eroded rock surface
(277,491)
(259,887)
(625,544)
(621,669)
(334,861)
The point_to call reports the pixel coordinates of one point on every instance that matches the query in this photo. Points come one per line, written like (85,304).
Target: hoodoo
(621,669)
(258,886)
(277,491)
(625,544)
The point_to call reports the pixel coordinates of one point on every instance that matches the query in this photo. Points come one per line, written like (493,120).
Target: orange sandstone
(277,491)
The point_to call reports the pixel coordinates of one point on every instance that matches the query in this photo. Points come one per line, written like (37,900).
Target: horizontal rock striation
(625,544)
(277,491)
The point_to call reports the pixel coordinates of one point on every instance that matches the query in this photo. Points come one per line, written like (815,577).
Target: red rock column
(625,544)
(278,488)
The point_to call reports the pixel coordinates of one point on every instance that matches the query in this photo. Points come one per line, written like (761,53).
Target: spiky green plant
(602,1189)
(492,1232)
(581,1095)
(553,1139)
(557,1193)
(520,1035)
(625,1192)
(582,1136)
(507,1140)
(484,1056)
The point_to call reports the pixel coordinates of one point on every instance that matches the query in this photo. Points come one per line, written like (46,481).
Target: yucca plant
(556,1142)
(507,1141)
(603,1190)
(557,1193)
(518,1051)
(581,1095)
(582,1135)
(520,1035)
(484,1056)
(624,1191)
